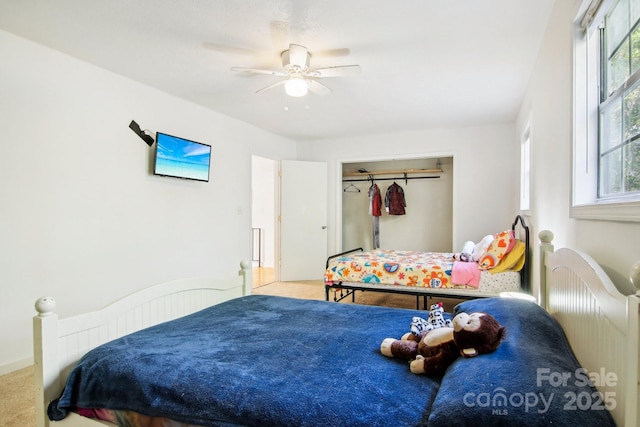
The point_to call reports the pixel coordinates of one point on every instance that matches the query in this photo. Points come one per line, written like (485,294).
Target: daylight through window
(619,145)
(606,169)
(525,170)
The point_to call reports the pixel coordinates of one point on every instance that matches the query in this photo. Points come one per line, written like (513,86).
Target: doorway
(263,199)
(288,221)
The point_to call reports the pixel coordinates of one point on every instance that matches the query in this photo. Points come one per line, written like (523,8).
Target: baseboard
(15,366)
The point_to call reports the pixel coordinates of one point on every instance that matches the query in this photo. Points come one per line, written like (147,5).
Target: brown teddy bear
(433,351)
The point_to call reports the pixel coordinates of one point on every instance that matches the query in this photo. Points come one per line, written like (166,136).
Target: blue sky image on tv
(181,158)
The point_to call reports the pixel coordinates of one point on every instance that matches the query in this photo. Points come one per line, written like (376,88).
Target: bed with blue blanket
(266,360)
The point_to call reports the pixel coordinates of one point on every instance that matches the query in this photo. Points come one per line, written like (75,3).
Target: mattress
(429,272)
(490,285)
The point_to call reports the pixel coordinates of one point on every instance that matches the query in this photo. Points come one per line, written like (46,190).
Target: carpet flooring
(17,399)
(17,389)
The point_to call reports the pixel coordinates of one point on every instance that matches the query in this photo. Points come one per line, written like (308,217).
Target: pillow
(481,247)
(500,246)
(514,260)
(511,385)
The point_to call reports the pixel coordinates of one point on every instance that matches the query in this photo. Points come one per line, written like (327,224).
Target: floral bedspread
(392,267)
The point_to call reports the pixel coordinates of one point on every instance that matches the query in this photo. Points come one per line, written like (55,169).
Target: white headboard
(60,343)
(600,323)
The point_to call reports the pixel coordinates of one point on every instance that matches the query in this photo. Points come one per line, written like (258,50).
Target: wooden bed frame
(60,343)
(347,290)
(600,323)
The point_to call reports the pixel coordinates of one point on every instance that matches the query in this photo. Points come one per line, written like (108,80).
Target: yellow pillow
(513,261)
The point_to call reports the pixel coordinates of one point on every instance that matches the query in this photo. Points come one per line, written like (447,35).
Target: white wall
(485,164)
(614,245)
(82,217)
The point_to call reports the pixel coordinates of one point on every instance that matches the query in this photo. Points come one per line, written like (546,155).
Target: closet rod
(400,178)
(393,172)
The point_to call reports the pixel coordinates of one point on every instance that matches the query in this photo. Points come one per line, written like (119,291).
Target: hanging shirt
(375,209)
(375,200)
(394,200)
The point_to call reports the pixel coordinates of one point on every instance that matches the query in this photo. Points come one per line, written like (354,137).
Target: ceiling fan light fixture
(296,86)
(299,79)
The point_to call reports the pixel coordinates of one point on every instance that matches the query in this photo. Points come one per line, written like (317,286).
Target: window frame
(585,203)
(525,169)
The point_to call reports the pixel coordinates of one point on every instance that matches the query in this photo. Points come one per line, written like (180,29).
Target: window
(606,169)
(525,170)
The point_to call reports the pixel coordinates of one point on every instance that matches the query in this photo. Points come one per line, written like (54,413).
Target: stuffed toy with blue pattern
(435,320)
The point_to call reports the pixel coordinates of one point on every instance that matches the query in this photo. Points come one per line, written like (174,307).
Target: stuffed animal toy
(474,251)
(466,254)
(435,320)
(432,352)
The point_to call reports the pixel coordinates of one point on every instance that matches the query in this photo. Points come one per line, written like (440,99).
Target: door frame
(269,240)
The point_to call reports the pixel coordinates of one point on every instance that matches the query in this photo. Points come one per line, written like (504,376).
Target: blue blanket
(262,360)
(323,367)
(532,379)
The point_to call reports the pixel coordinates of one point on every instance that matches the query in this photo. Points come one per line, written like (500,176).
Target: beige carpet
(17,399)
(17,389)
(314,289)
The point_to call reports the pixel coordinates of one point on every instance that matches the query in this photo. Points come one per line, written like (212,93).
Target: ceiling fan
(299,78)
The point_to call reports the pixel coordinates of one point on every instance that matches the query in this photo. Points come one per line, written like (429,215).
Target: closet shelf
(393,172)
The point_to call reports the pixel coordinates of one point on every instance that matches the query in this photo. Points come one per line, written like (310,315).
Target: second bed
(441,274)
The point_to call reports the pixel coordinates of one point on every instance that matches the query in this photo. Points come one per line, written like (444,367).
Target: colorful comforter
(436,270)
(391,267)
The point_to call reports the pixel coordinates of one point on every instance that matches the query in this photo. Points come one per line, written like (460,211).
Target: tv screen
(181,158)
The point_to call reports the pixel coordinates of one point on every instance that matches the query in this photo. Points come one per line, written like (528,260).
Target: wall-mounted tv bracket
(144,134)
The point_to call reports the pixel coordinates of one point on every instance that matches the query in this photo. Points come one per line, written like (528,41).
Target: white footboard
(601,324)
(59,343)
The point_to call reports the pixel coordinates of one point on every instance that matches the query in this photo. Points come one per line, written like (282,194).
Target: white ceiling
(425,63)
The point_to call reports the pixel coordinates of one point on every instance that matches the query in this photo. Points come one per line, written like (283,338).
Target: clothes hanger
(351,189)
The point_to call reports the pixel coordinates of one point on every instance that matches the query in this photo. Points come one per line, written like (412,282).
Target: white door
(303,220)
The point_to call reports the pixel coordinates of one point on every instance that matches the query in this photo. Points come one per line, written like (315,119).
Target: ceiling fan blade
(259,71)
(339,71)
(264,89)
(331,52)
(317,87)
(298,55)
(228,49)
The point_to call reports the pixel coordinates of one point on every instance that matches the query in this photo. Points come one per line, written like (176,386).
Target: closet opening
(424,224)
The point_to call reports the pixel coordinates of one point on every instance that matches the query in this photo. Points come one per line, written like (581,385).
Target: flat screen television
(181,158)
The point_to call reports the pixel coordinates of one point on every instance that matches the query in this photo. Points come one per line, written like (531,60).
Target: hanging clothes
(375,210)
(394,200)
(375,200)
